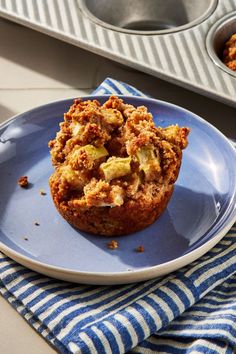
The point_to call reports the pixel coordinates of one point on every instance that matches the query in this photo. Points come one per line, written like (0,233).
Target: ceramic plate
(200,212)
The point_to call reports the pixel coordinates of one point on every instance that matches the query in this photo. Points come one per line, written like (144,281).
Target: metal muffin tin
(177,40)
(216,38)
(147,17)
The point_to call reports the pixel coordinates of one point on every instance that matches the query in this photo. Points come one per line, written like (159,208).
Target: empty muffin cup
(147,16)
(217,37)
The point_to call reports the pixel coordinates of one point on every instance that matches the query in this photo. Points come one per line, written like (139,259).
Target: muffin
(114,169)
(229,53)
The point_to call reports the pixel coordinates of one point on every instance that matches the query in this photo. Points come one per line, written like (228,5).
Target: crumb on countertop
(140,249)
(23,182)
(113,245)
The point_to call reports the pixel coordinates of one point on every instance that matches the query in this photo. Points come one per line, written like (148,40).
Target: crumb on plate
(42,192)
(140,249)
(23,182)
(113,245)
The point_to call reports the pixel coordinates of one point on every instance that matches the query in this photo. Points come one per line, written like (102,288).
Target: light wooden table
(36,69)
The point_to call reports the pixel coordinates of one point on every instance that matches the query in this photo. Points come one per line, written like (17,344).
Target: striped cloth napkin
(193,310)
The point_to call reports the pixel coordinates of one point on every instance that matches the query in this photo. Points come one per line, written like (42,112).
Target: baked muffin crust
(114,169)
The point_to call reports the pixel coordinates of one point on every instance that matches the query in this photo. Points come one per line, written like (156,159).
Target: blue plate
(200,212)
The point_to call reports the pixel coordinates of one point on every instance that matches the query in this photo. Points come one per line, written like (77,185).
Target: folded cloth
(192,310)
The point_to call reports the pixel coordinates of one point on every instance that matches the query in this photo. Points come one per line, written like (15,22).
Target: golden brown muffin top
(104,154)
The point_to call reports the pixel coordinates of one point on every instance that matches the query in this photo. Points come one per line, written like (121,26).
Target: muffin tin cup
(147,17)
(216,38)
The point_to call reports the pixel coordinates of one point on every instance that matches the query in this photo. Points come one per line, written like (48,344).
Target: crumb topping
(108,155)
(229,53)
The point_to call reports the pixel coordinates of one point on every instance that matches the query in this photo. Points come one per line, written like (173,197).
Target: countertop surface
(36,69)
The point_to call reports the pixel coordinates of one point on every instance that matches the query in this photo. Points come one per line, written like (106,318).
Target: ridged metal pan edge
(179,57)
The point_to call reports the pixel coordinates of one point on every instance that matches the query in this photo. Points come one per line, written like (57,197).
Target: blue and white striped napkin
(192,310)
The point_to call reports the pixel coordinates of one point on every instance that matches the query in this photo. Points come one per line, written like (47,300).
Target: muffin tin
(217,37)
(147,16)
(177,40)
